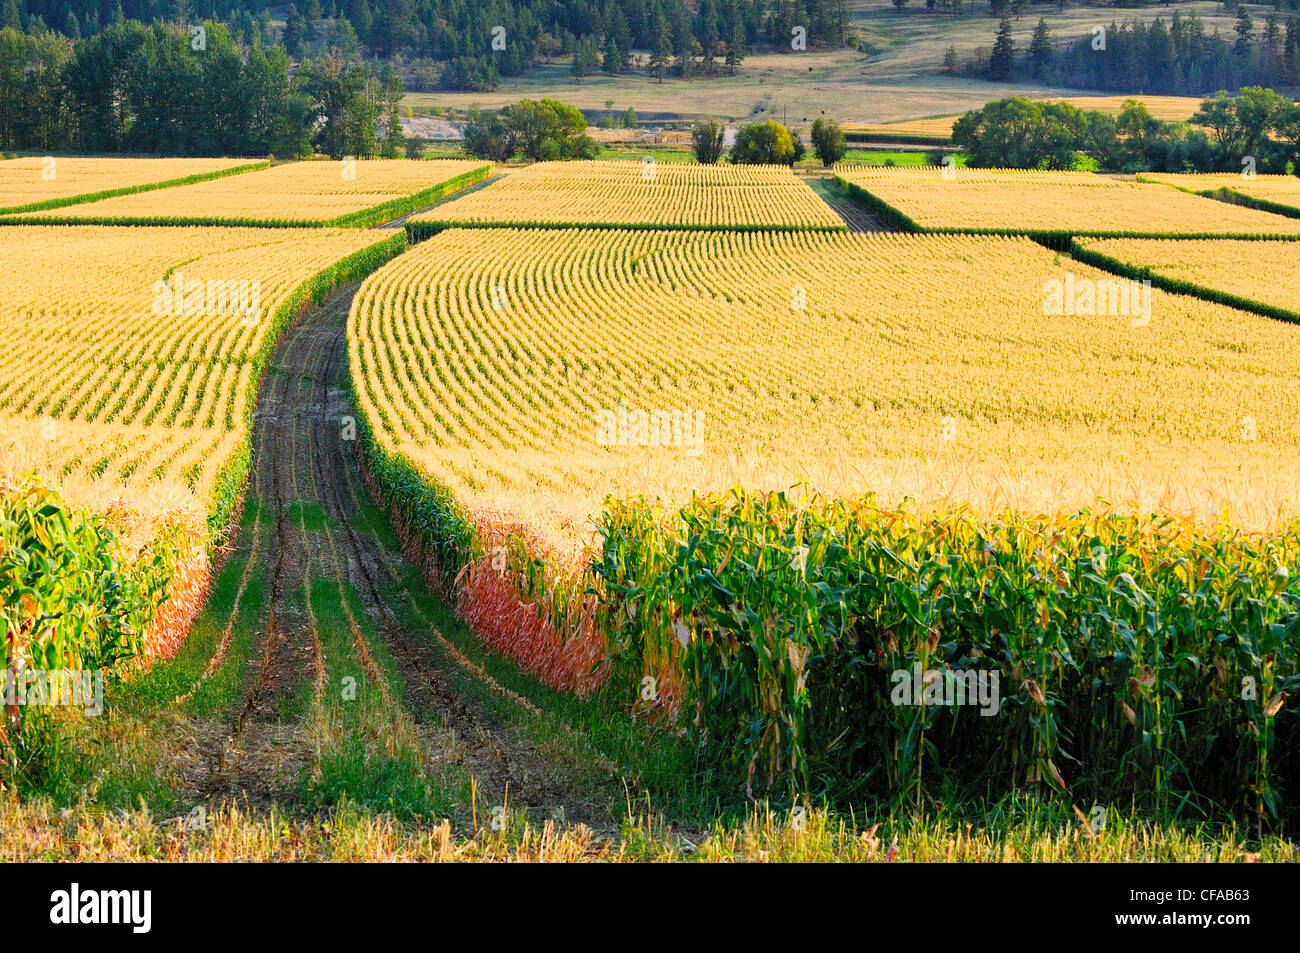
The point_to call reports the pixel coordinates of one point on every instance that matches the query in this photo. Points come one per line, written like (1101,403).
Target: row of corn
(1120,657)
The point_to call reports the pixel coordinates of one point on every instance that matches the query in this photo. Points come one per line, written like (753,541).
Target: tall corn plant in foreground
(1137,657)
(71,598)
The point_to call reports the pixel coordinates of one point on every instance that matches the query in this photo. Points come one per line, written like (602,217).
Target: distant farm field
(644,194)
(792,87)
(939,129)
(1168,108)
(1060,203)
(315,193)
(1258,275)
(44,182)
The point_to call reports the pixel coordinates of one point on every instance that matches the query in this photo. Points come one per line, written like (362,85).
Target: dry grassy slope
(783,84)
(898,78)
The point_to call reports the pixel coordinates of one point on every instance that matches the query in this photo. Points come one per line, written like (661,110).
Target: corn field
(490,359)
(1137,653)
(134,390)
(34,183)
(620,194)
(1270,193)
(675,441)
(1049,203)
(344,194)
(1254,276)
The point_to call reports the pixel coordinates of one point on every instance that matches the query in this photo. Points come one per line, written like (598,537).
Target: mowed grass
(635,152)
(790,87)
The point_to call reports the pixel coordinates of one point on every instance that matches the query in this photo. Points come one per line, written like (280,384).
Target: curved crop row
(134,353)
(902,364)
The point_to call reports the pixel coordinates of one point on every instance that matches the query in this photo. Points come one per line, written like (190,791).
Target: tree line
(479,42)
(1178,58)
(190,90)
(1256,130)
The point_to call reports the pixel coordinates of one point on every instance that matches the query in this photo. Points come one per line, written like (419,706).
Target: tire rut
(856,217)
(401,222)
(300,460)
(501,767)
(257,755)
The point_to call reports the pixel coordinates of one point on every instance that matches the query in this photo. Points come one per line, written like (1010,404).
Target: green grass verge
(230,480)
(362,756)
